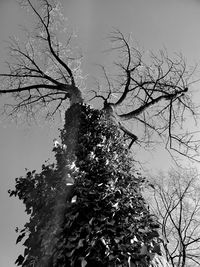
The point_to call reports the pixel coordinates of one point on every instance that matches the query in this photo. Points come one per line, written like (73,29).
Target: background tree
(176,202)
(45,74)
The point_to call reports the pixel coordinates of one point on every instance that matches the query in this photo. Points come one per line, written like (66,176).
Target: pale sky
(154,24)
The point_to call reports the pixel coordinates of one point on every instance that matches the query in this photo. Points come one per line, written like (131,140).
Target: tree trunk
(70,138)
(50,238)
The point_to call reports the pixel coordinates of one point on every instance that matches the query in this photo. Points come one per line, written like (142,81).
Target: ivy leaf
(80,243)
(83,263)
(20,237)
(144,250)
(19,260)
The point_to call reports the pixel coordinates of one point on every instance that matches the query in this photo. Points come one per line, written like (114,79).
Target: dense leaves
(38,192)
(105,221)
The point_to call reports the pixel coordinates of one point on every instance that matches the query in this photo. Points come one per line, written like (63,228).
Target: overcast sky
(154,24)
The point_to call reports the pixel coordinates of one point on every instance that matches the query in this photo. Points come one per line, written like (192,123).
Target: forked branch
(155,97)
(37,70)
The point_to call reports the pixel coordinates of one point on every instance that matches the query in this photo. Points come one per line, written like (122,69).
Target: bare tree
(153,95)
(176,202)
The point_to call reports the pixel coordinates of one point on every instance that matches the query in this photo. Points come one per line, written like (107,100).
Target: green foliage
(38,194)
(107,222)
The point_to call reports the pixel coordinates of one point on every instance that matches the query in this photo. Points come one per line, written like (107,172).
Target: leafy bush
(104,219)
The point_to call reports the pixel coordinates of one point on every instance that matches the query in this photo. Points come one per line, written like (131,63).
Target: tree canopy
(151,93)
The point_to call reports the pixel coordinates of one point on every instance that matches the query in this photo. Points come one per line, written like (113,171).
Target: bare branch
(46,26)
(130,134)
(157,95)
(142,108)
(177,205)
(41,67)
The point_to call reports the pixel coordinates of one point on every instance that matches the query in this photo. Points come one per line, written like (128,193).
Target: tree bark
(72,125)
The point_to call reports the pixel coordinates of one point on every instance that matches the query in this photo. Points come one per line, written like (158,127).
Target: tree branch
(138,111)
(49,40)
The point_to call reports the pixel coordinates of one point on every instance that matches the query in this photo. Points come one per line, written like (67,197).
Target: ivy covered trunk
(87,209)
